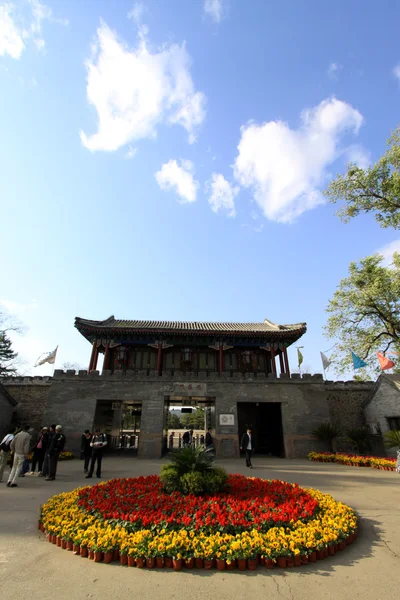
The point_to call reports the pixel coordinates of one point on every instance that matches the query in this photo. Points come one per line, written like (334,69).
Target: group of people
(189,439)
(92,446)
(45,452)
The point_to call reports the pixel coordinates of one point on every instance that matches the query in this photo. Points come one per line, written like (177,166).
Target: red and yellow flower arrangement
(253,521)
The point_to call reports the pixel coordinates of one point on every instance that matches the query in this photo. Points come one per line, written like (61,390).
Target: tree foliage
(194,420)
(8,358)
(365,313)
(375,189)
(174,421)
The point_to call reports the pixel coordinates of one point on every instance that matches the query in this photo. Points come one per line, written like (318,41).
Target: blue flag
(357,361)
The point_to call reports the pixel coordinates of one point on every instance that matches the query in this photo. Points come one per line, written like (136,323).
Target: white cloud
(11,41)
(388,251)
(135,90)
(359,155)
(214,10)
(137,12)
(131,152)
(17,308)
(283,167)
(222,195)
(333,70)
(396,71)
(22,24)
(179,178)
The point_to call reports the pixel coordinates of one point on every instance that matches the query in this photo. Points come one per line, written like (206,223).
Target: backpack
(6,446)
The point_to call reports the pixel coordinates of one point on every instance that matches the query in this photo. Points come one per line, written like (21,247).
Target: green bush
(325,432)
(359,437)
(192,472)
(392,439)
(192,483)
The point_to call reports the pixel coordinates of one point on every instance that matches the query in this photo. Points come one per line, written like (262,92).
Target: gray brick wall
(383,403)
(71,400)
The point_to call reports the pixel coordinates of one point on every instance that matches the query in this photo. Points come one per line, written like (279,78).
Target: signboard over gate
(191,389)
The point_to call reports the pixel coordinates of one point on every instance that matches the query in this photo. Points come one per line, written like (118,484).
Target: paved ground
(32,569)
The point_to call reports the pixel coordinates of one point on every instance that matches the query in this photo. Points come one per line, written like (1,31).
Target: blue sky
(165,160)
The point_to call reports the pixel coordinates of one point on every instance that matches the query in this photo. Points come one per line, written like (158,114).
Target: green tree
(365,313)
(174,421)
(375,189)
(8,358)
(194,420)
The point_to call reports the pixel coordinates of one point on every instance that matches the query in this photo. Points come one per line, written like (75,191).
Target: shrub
(192,472)
(326,433)
(392,439)
(359,437)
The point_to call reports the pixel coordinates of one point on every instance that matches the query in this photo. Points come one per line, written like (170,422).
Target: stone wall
(346,400)
(74,400)
(31,394)
(7,408)
(384,403)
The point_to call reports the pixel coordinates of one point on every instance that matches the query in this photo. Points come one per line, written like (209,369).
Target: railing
(172,442)
(125,441)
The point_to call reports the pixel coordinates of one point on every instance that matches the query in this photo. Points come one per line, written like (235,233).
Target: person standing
(39,450)
(186,439)
(209,440)
(5,447)
(46,462)
(56,446)
(99,441)
(20,446)
(247,444)
(86,450)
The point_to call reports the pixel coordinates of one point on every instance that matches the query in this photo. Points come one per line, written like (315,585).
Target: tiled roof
(188,326)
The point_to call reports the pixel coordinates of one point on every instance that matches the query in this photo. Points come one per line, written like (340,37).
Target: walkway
(32,569)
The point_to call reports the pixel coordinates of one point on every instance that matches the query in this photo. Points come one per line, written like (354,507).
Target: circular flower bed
(254,521)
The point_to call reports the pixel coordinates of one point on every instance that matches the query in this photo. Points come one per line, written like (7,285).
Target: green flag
(299,356)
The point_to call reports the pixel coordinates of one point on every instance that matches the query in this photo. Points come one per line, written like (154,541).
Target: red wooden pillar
(273,365)
(95,357)
(106,358)
(159,358)
(92,357)
(282,366)
(221,359)
(285,356)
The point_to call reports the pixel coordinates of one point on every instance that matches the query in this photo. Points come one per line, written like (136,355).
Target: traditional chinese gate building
(239,372)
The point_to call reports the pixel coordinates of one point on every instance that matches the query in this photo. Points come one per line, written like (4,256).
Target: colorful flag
(358,362)
(299,356)
(49,357)
(326,363)
(385,362)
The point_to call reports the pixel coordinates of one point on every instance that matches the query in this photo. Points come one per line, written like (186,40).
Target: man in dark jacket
(99,441)
(247,444)
(46,462)
(86,450)
(56,446)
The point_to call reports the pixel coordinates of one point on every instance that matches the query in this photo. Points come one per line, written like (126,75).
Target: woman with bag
(39,450)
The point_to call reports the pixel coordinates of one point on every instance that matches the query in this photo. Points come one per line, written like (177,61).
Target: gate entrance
(265,421)
(183,413)
(121,422)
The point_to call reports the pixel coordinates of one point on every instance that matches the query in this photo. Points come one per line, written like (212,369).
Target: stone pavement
(32,569)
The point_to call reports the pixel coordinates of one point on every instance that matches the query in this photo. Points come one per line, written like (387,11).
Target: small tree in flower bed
(192,471)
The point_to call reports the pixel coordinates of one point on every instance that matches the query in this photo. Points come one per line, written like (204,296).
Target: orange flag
(385,363)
